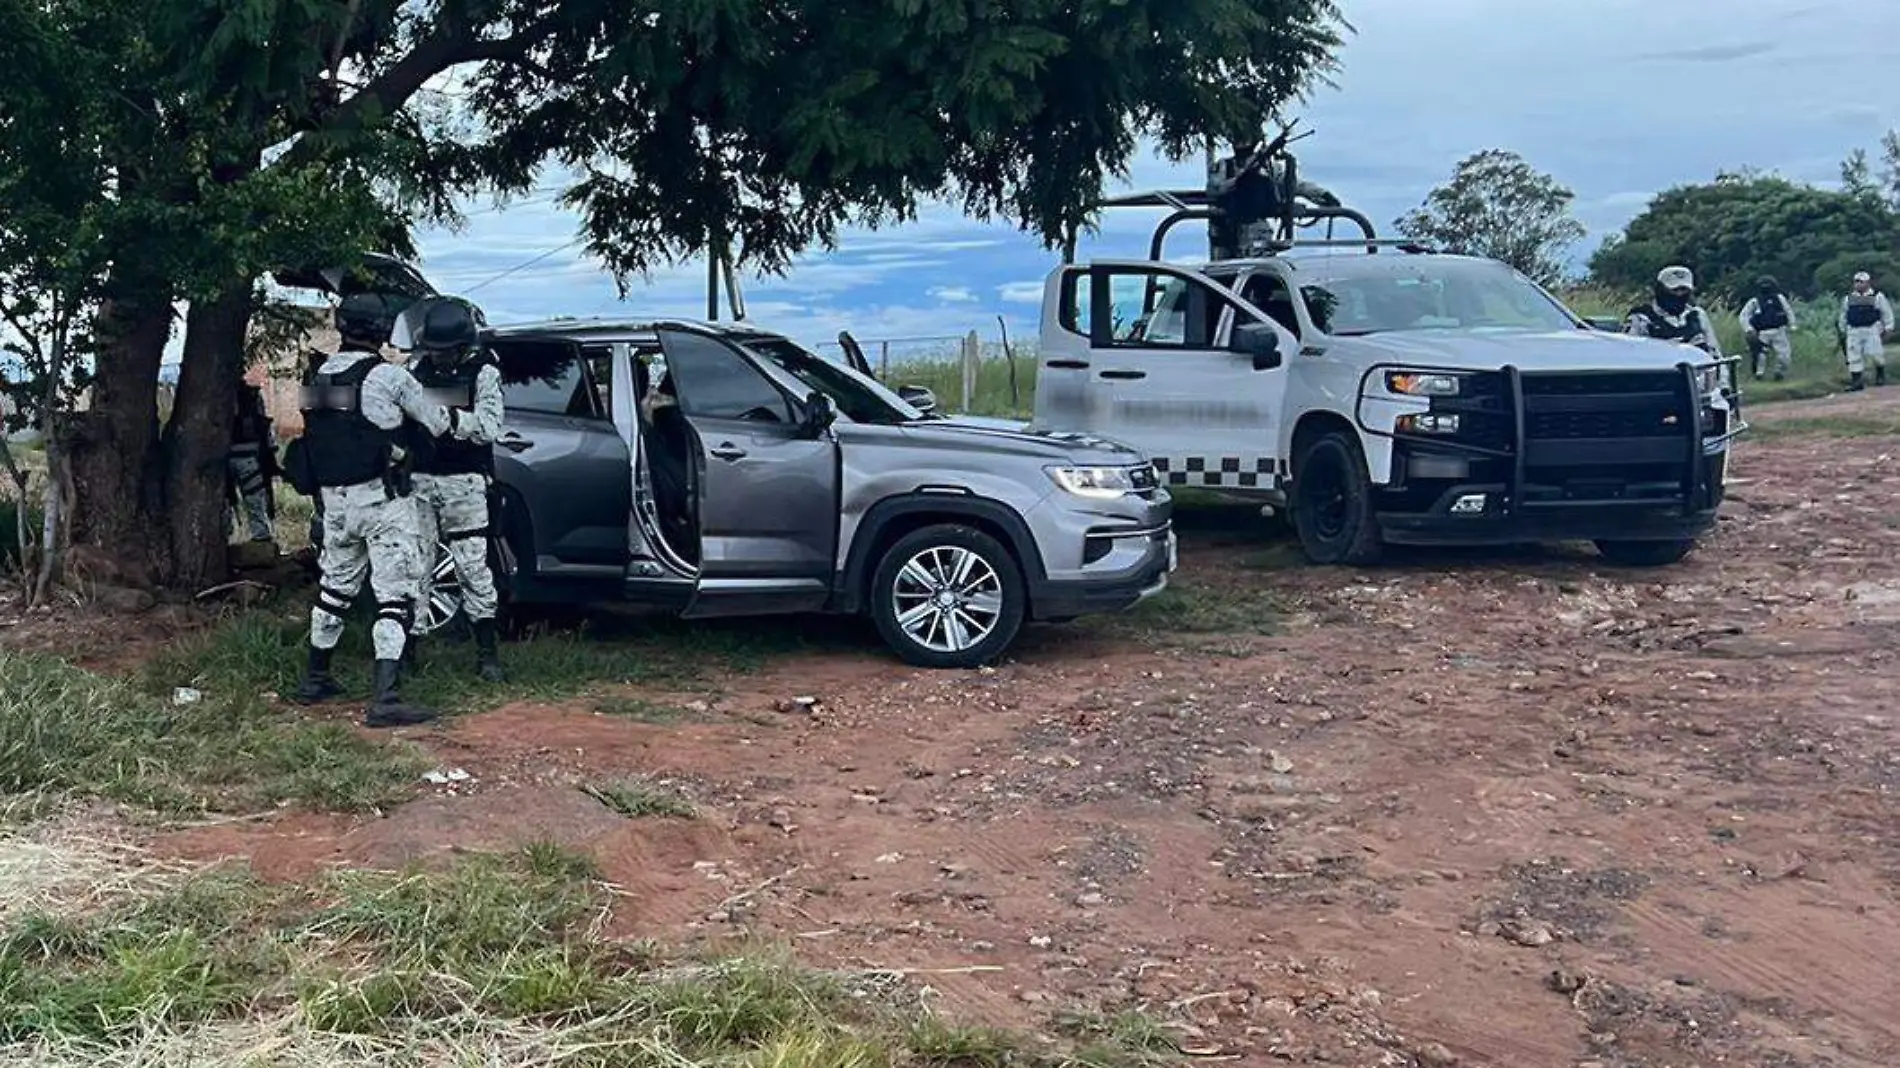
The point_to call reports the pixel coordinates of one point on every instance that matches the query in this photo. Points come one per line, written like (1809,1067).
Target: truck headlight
(1709,380)
(1101,483)
(1421,384)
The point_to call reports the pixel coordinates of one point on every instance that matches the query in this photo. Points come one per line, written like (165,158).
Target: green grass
(638,709)
(637,798)
(263,650)
(67,730)
(1827,426)
(496,959)
(1189,610)
(944,377)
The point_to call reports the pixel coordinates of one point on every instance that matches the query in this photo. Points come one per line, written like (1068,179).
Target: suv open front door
(765,485)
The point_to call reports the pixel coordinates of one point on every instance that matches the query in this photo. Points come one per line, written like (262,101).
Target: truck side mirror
(918,397)
(1609,324)
(820,413)
(1260,342)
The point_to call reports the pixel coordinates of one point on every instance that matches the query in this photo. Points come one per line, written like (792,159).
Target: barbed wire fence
(989,372)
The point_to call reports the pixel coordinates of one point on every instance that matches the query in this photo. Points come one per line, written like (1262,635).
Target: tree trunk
(198,438)
(110,449)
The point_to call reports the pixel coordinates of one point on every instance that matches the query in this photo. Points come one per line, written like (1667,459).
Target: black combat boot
(387,708)
(1880,374)
(1856,382)
(318,684)
(487,656)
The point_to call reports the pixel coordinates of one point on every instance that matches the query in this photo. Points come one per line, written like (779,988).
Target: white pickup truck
(1391,395)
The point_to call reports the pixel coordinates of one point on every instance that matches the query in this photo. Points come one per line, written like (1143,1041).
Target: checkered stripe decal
(1229,471)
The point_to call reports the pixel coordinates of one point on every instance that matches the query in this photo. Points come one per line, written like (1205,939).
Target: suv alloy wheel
(948,596)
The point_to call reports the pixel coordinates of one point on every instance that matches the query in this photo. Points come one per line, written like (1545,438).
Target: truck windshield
(859,399)
(1427,295)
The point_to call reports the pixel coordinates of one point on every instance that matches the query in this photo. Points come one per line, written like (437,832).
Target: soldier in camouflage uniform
(1865,321)
(453,478)
(363,419)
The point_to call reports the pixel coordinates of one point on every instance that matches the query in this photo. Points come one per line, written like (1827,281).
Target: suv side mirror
(820,413)
(918,397)
(1259,341)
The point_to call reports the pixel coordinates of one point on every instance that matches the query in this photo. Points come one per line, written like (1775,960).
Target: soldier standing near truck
(1768,323)
(1672,313)
(1865,321)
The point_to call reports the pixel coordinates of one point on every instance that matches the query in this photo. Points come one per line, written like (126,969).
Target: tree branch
(448,48)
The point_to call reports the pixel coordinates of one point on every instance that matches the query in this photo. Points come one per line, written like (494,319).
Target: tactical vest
(1862,311)
(453,386)
(1664,330)
(344,448)
(1771,313)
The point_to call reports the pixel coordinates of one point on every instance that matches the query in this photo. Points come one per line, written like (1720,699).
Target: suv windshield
(859,399)
(1422,293)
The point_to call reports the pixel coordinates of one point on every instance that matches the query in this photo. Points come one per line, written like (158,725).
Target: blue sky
(1617,98)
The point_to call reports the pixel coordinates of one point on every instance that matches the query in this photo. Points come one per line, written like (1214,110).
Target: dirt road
(1531,812)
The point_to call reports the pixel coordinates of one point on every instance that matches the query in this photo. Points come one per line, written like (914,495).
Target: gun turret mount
(1255,204)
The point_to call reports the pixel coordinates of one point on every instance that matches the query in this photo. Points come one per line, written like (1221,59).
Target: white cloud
(1029,292)
(951,294)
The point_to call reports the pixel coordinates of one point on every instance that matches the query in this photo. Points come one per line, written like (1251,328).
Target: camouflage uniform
(453,509)
(370,526)
(1865,321)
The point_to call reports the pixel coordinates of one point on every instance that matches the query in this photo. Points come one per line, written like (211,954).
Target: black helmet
(440,324)
(1767,284)
(366,318)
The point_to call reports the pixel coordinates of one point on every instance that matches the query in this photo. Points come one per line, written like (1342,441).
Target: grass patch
(64,729)
(263,651)
(1194,609)
(496,960)
(1826,426)
(641,797)
(638,709)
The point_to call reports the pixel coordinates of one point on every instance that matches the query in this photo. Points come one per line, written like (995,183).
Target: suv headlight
(1422,384)
(1101,483)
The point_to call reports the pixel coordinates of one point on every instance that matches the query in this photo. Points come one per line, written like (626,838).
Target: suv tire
(1332,502)
(1645,553)
(948,596)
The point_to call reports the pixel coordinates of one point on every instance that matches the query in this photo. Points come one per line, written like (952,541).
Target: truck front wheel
(1645,553)
(1332,502)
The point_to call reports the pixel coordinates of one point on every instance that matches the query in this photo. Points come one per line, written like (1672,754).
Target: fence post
(972,363)
(884,361)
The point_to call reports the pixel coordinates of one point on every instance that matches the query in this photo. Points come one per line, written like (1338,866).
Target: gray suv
(719,470)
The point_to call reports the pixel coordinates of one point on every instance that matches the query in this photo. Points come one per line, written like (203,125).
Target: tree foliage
(1498,205)
(1739,227)
(235,136)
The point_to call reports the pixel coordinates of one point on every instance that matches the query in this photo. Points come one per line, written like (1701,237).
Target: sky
(1618,99)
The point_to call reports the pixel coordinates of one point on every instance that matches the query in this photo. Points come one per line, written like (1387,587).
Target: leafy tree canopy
(1744,225)
(1499,206)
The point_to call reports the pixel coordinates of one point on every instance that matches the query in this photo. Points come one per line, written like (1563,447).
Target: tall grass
(65,730)
(496,960)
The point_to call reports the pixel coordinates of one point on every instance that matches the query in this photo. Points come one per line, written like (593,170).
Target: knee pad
(401,613)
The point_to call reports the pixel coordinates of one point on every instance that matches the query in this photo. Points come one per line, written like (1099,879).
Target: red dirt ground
(1461,810)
